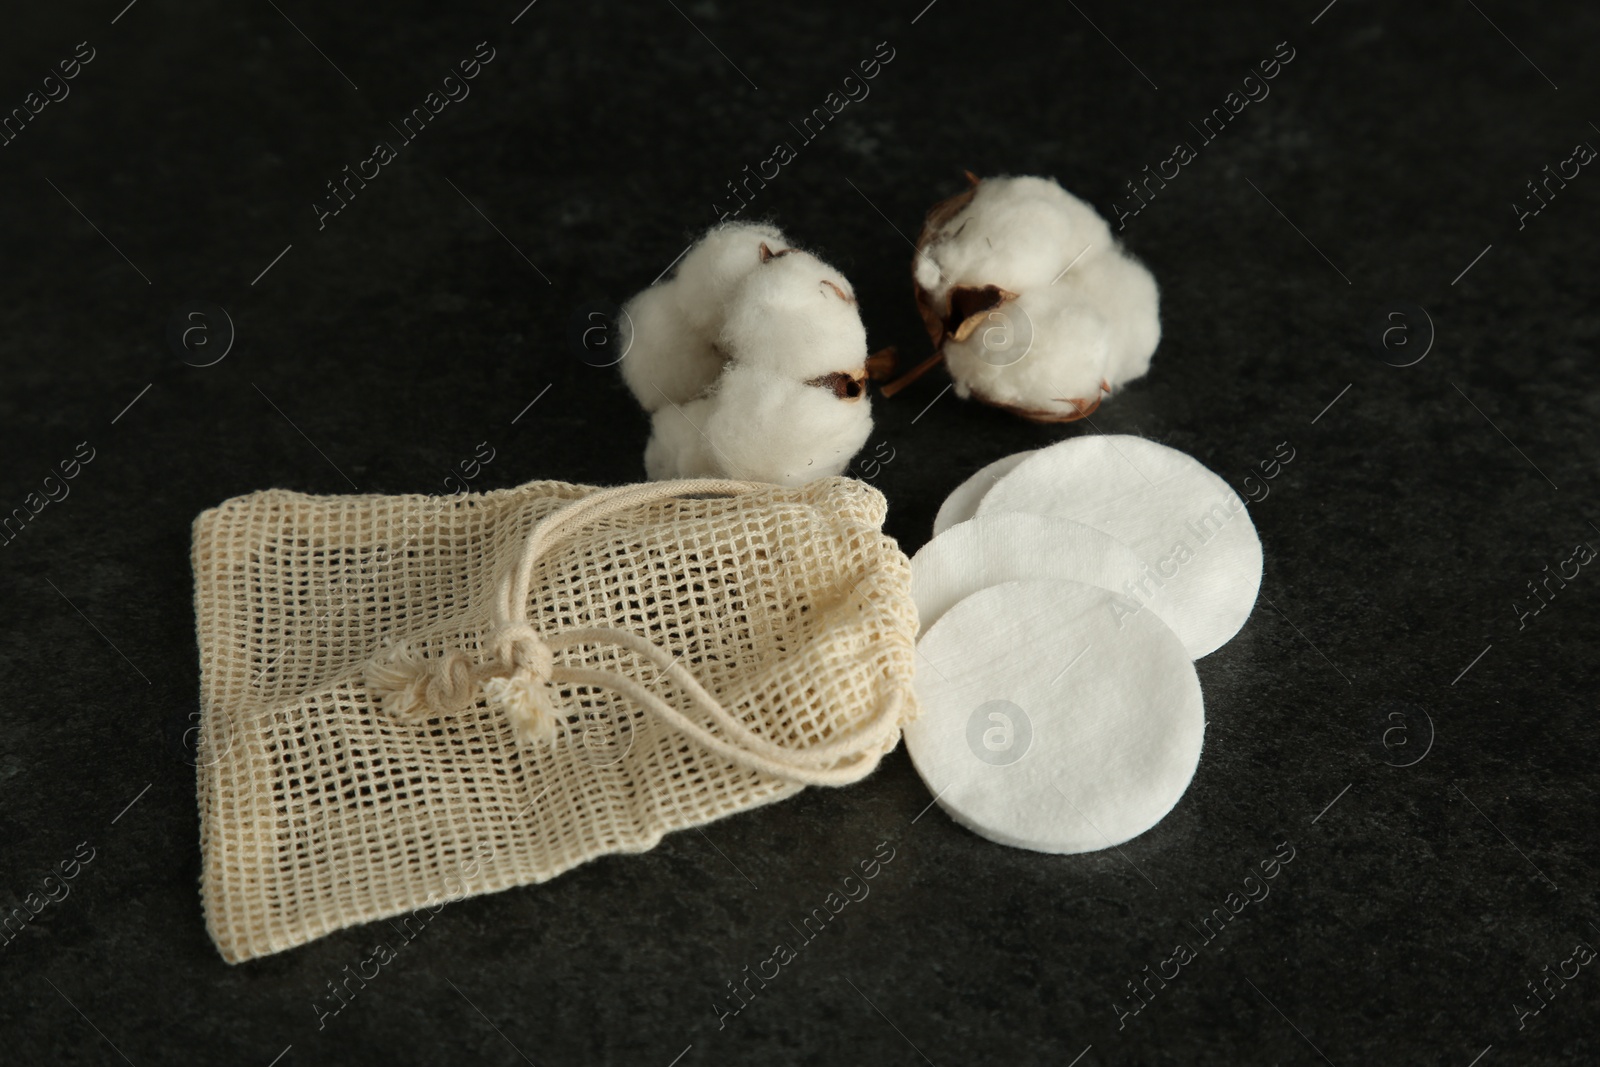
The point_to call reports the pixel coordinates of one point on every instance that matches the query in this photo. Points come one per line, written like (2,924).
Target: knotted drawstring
(519,673)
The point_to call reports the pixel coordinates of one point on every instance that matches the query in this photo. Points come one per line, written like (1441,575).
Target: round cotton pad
(1009,546)
(962,503)
(1191,531)
(1049,723)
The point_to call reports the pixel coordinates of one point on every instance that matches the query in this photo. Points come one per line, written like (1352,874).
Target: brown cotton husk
(843,385)
(1084,408)
(970,305)
(881,364)
(767,253)
(934,314)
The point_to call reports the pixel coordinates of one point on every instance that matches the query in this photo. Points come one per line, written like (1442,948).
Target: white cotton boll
(1015,233)
(716,264)
(1043,354)
(677,447)
(665,361)
(759,426)
(1125,293)
(669,331)
(1023,256)
(751,359)
(798,317)
(768,427)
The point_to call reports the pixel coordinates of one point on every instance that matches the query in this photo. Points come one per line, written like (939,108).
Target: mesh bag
(411,699)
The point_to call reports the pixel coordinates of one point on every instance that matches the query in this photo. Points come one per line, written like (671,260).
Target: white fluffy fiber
(1016,233)
(758,425)
(739,358)
(796,315)
(669,331)
(1085,315)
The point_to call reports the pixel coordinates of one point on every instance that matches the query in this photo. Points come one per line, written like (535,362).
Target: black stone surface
(379,350)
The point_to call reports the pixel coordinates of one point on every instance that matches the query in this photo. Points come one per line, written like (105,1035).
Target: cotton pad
(1050,723)
(962,504)
(1191,531)
(1009,547)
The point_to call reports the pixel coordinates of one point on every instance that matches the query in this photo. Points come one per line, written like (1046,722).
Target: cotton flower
(717,263)
(1035,307)
(669,331)
(758,425)
(759,369)
(797,316)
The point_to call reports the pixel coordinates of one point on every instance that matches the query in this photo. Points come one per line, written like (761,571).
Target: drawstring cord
(519,674)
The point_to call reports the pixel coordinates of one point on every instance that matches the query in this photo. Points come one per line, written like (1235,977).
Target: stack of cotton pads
(1063,600)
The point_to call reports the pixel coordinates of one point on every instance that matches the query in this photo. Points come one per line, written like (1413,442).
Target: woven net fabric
(319,810)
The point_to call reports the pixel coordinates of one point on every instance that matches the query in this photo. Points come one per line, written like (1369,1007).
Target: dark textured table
(1403,715)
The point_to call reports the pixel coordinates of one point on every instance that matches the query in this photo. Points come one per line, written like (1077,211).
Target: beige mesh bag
(412,699)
